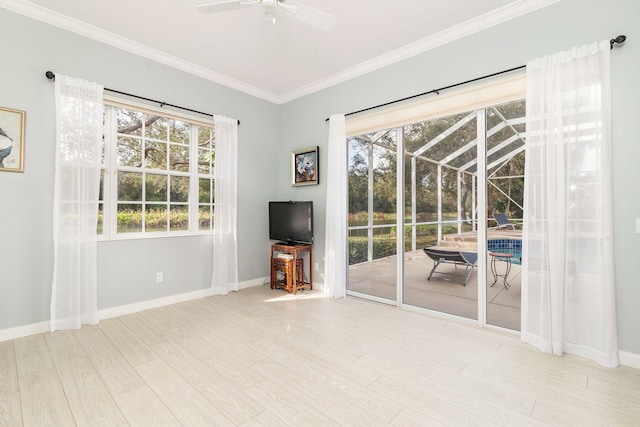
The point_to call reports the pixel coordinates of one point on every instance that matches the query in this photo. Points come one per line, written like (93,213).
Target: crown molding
(464,29)
(449,35)
(62,21)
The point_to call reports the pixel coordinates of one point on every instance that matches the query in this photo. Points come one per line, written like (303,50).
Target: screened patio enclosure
(434,170)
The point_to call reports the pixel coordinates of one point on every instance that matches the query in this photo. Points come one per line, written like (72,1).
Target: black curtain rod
(51,76)
(436,91)
(619,39)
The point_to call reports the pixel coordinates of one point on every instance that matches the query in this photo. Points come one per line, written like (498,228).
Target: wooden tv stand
(294,250)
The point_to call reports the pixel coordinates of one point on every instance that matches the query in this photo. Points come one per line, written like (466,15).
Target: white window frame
(111,169)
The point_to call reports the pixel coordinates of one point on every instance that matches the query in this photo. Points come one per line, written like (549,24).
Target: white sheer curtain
(568,283)
(79,129)
(335,242)
(225,237)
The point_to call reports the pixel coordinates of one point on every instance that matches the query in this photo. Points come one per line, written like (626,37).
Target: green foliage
(130,220)
(384,239)
(377,155)
(383,246)
(151,141)
(130,217)
(514,187)
(357,251)
(505,179)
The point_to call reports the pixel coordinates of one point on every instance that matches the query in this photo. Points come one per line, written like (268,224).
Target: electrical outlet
(159,277)
(316,266)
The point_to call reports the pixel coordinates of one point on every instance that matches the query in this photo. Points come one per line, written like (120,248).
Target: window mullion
(193,181)
(111,173)
(144,195)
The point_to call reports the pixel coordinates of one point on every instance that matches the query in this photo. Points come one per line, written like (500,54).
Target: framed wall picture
(304,167)
(11,140)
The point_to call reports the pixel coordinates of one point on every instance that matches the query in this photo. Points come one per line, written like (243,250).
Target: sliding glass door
(505,194)
(439,209)
(372,215)
(422,199)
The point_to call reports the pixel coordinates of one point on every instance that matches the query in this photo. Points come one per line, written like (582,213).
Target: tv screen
(291,222)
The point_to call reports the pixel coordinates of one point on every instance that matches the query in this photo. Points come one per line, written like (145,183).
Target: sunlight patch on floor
(298,296)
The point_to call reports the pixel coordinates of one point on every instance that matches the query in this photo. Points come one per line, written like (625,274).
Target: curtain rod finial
(620,39)
(50,75)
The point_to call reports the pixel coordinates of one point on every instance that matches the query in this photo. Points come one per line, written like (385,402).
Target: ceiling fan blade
(309,15)
(225,6)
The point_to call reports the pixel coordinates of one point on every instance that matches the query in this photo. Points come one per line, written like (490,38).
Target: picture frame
(12,125)
(305,167)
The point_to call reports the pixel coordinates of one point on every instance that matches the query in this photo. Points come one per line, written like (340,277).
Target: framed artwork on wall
(12,140)
(304,167)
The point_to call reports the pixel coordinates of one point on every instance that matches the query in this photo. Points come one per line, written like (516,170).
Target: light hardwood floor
(259,357)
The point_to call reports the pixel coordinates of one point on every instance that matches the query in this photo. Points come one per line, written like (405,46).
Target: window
(157,176)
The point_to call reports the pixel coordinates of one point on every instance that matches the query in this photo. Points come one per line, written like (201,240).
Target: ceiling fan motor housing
(301,12)
(269,5)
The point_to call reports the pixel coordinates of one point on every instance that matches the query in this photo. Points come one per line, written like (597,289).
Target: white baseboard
(629,359)
(121,310)
(171,299)
(107,313)
(253,282)
(24,331)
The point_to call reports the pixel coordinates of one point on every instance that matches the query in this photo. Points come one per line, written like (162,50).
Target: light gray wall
(557,27)
(267,136)
(126,268)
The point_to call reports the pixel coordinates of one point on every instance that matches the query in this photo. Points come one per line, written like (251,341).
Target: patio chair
(503,222)
(440,256)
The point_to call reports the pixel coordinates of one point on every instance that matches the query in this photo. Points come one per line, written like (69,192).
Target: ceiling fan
(306,14)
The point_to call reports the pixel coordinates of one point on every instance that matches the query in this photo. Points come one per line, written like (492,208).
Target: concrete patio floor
(443,293)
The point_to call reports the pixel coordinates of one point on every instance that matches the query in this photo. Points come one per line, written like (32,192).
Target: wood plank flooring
(260,357)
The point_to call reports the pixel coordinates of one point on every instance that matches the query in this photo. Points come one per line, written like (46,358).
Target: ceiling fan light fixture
(269,17)
(306,14)
(269,4)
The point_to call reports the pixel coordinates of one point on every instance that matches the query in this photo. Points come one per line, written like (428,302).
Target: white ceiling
(275,62)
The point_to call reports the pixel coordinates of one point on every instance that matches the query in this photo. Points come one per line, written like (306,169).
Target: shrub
(382,247)
(155,219)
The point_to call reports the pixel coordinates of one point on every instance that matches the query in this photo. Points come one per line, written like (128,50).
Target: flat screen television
(291,222)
